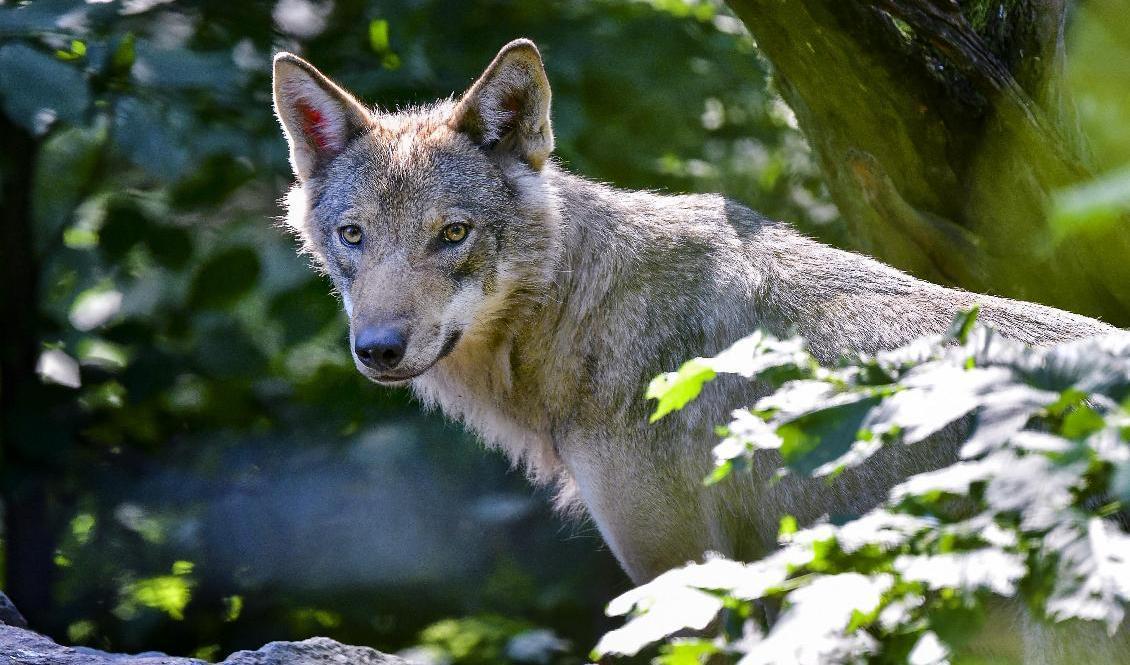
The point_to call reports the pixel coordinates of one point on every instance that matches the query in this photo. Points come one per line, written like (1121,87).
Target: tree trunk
(29,543)
(942,130)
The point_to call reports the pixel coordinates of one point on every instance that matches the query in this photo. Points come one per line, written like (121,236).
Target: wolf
(535,305)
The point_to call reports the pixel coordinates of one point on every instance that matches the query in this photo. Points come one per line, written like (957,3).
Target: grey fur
(571,295)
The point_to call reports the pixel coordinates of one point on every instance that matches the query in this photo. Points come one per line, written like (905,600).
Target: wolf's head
(435,223)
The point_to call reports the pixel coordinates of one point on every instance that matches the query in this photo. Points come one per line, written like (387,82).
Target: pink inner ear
(314,125)
(508,120)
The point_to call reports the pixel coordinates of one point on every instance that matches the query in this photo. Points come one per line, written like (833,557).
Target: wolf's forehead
(406,170)
(370,173)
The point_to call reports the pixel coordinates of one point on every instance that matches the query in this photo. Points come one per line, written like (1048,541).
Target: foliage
(490,639)
(1032,506)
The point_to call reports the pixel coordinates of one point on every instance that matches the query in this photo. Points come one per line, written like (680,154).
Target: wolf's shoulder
(677,214)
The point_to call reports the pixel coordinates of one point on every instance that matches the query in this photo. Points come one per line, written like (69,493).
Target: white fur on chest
(481,397)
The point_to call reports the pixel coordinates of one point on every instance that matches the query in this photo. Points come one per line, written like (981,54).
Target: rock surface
(9,614)
(19,646)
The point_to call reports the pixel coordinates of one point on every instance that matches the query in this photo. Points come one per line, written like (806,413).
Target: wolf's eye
(350,234)
(455,233)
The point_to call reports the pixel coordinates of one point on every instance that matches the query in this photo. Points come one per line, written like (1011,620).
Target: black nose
(380,347)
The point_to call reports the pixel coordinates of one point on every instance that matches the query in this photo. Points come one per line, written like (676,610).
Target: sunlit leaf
(1093,576)
(234,605)
(94,308)
(686,652)
(759,354)
(887,530)
(378,35)
(1092,203)
(674,390)
(811,629)
(167,593)
(986,568)
(667,604)
(55,366)
(929,650)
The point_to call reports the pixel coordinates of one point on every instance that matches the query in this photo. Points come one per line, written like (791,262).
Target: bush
(1032,507)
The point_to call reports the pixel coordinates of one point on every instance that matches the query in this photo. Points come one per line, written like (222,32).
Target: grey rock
(314,651)
(9,615)
(19,646)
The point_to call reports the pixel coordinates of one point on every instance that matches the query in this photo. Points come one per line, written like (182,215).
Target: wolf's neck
(648,281)
(638,252)
(599,239)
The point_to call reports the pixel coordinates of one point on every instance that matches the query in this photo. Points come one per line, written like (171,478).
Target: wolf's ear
(508,107)
(317,116)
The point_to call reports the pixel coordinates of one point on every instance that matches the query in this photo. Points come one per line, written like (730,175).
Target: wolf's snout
(380,347)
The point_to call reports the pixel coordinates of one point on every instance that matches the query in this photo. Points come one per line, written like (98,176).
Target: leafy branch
(1030,508)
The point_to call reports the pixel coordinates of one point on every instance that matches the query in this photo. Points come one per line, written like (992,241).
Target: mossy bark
(943,131)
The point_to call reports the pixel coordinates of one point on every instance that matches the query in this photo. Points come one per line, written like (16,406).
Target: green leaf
(170,246)
(215,179)
(36,17)
(686,652)
(224,278)
(227,351)
(788,527)
(125,53)
(37,89)
(168,593)
(144,132)
(1095,203)
(378,35)
(304,310)
(184,69)
(963,324)
(720,473)
(67,163)
(674,390)
(1081,421)
(76,51)
(126,223)
(821,436)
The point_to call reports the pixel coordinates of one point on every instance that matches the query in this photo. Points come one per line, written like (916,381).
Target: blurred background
(199,468)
